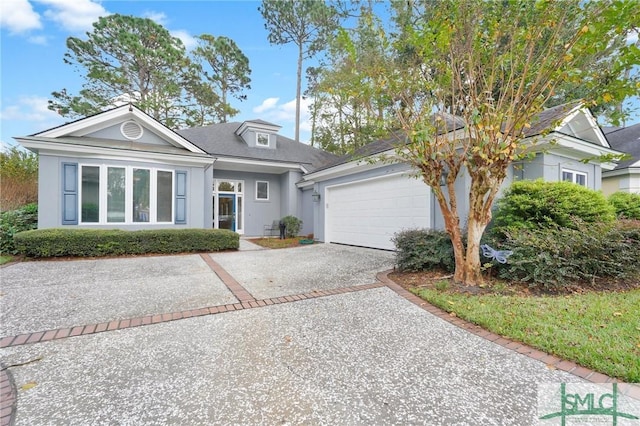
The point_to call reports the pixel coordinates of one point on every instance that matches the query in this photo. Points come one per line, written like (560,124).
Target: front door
(227,211)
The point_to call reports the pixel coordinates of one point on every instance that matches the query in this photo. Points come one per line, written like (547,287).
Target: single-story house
(366,202)
(123,169)
(626,175)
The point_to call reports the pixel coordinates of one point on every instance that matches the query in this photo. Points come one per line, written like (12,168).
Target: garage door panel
(369,213)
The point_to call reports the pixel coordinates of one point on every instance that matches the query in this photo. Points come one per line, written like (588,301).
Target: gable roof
(627,140)
(548,120)
(87,125)
(222,140)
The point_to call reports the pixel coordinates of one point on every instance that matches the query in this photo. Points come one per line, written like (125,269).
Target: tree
(347,110)
(18,178)
(468,79)
(306,23)
(125,58)
(227,74)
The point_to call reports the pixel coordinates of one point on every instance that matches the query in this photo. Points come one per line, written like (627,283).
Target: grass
(5,259)
(276,243)
(598,330)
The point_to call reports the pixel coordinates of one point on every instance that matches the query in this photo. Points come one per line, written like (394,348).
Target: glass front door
(227,211)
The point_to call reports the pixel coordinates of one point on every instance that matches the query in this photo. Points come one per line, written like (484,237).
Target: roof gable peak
(129,116)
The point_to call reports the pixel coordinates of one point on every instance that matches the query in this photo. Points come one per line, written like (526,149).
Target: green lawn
(5,259)
(600,331)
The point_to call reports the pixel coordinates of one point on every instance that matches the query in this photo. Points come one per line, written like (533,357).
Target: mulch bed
(428,279)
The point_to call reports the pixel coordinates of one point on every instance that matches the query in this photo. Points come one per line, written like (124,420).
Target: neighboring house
(123,169)
(626,176)
(366,202)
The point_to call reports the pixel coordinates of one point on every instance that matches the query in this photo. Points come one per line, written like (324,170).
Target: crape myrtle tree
(130,59)
(469,77)
(305,23)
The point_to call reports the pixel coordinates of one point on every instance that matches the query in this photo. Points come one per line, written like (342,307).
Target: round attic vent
(131,130)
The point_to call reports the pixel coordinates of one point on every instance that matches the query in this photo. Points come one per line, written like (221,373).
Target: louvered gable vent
(131,130)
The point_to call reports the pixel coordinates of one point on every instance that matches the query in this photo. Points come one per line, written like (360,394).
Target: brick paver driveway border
(8,399)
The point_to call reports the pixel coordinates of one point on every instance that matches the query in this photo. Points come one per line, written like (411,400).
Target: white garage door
(368,213)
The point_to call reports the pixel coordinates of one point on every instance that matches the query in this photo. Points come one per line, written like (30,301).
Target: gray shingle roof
(549,118)
(627,140)
(221,140)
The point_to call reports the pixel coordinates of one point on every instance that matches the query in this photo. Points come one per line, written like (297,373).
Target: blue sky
(34,32)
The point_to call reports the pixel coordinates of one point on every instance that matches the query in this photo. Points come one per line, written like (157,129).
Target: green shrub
(627,205)
(14,221)
(293,225)
(553,257)
(539,204)
(18,178)
(76,242)
(423,249)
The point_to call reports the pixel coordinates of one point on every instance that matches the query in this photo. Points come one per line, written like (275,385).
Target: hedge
(13,222)
(57,242)
(553,257)
(539,204)
(627,205)
(423,249)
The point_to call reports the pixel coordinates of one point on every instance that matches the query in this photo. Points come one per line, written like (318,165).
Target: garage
(369,212)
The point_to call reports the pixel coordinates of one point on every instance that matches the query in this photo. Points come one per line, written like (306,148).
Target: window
(228,194)
(575,177)
(262,139)
(116,194)
(90,199)
(262,190)
(141,194)
(164,196)
(126,195)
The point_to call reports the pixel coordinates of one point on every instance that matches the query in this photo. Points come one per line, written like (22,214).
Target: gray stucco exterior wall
(290,194)
(306,209)
(257,213)
(50,188)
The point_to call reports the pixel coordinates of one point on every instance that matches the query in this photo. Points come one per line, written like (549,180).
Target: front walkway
(277,345)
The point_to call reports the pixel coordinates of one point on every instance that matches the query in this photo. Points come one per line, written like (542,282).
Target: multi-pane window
(575,177)
(262,190)
(126,195)
(262,139)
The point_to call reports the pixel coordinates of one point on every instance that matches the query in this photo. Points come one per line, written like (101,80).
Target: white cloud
(30,108)
(266,105)
(187,39)
(285,113)
(159,18)
(18,16)
(74,15)
(632,37)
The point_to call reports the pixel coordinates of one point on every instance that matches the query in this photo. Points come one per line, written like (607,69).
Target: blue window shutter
(69,193)
(181,197)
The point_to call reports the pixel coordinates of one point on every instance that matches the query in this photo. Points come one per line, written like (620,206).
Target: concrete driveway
(293,336)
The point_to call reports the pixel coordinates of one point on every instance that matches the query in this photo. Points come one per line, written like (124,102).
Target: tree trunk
(298,88)
(472,265)
(452,226)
